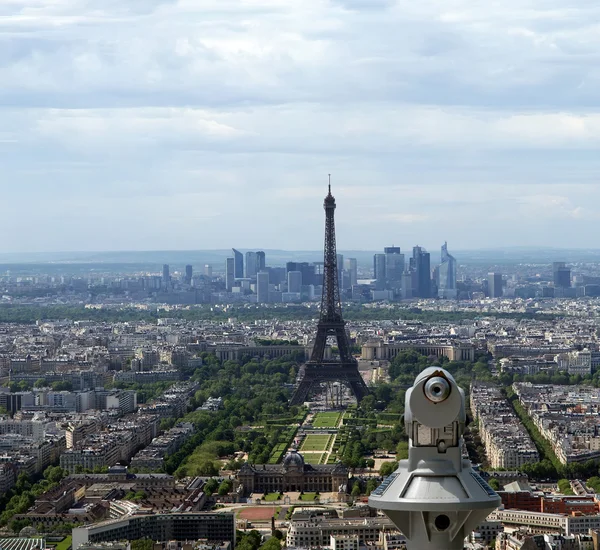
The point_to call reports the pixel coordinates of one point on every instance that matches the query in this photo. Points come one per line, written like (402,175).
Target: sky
(204,124)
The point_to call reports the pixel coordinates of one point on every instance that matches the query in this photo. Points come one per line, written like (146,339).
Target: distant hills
(178,258)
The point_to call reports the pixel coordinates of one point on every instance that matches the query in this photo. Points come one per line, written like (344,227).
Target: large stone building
(453,350)
(293,474)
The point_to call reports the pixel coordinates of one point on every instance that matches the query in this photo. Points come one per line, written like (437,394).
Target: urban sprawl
(151,409)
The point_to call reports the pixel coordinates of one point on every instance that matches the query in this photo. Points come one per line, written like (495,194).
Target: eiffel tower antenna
(331,323)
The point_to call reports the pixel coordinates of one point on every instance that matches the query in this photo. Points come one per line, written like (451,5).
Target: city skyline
(430,117)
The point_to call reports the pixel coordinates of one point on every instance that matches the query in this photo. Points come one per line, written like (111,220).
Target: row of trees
(251,389)
(29,314)
(41,383)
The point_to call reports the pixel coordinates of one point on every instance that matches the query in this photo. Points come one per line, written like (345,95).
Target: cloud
(227,116)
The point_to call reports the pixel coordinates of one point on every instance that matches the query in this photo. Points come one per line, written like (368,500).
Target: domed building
(293,475)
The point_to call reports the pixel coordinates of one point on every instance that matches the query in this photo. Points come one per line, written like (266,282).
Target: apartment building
(506,441)
(211,526)
(318,531)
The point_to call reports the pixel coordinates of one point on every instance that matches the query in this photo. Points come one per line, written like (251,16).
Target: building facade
(292,475)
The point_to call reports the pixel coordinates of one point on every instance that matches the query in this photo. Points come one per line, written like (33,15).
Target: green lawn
(271,497)
(313,458)
(64,544)
(313,442)
(308,496)
(326,419)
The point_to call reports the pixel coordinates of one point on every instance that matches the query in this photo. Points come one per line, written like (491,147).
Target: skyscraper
(188,274)
(561,275)
(495,285)
(447,274)
(394,267)
(262,287)
(340,267)
(307,270)
(260,261)
(251,265)
(238,271)
(229,273)
(421,264)
(208,270)
(294,281)
(165,276)
(379,263)
(351,266)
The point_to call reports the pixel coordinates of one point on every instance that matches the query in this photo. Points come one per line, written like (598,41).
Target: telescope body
(435,498)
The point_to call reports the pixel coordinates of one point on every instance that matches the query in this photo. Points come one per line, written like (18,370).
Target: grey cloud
(130,108)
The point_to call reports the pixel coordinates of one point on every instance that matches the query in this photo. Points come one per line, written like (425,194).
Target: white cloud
(229,114)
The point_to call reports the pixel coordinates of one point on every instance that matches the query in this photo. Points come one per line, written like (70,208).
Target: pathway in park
(320,431)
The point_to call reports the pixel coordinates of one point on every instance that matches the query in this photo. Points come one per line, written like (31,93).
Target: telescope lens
(437,389)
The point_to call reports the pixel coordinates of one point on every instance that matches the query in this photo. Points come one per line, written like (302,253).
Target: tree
(387,468)
(17,524)
(142,544)
(272,544)
(54,474)
(211,486)
(494,483)
(208,468)
(372,484)
(62,386)
(356,492)
(248,541)
(225,487)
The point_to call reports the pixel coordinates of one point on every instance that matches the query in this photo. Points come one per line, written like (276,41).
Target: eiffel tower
(318,370)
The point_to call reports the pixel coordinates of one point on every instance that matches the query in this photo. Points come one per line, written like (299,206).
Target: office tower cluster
(296,282)
(395,278)
(248,274)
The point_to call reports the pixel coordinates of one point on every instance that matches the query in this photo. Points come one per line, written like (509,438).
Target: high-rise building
(561,275)
(351,265)
(495,285)
(251,265)
(277,275)
(308,272)
(407,289)
(189,271)
(294,281)
(208,270)
(262,287)
(340,269)
(238,271)
(394,267)
(260,261)
(379,264)
(165,276)
(391,250)
(229,273)
(421,265)
(447,274)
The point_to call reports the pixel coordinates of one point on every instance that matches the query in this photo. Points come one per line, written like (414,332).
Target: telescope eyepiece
(437,389)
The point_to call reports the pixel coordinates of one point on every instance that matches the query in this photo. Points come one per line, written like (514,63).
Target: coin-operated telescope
(435,498)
